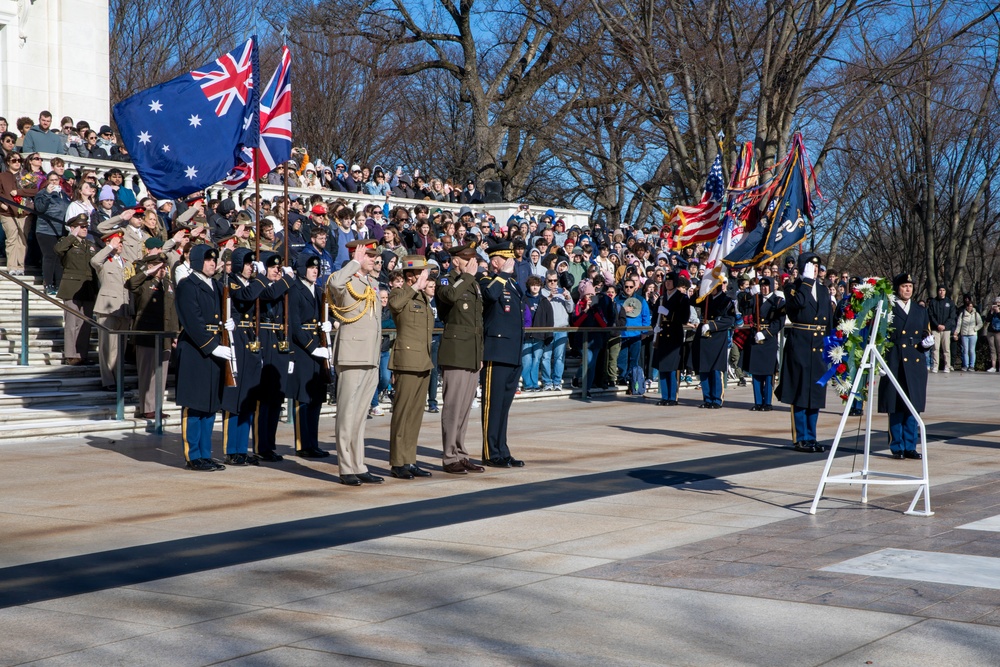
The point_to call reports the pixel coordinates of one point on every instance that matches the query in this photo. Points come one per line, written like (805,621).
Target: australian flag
(789,208)
(188,133)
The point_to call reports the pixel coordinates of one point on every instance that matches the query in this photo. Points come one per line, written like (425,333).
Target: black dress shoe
(757,408)
(767,408)
(855,412)
(417,472)
(662,402)
(896,455)
(201,465)
(311,453)
(818,448)
(802,446)
(401,472)
(497,463)
(369,478)
(350,480)
(716,406)
(705,406)
(217,464)
(514,463)
(270,457)
(912,454)
(237,460)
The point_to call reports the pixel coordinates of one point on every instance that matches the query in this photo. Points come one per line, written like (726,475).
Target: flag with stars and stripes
(702,222)
(275,128)
(188,133)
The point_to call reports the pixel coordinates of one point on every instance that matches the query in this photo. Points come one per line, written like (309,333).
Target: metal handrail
(159,337)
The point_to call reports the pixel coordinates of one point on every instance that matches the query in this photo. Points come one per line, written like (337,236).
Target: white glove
(928,342)
(755,289)
(230,325)
(704,329)
(223,352)
(657,330)
(259,268)
(325,327)
(287,270)
(321,353)
(809,271)
(759,337)
(663,311)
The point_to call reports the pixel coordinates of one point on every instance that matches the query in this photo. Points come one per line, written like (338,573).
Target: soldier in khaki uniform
(77,289)
(113,308)
(353,296)
(410,360)
(460,355)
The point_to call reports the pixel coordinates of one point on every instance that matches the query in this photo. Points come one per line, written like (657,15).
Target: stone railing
(501,211)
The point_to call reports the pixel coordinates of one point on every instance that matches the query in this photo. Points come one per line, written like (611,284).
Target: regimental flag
(787,210)
(188,133)
(702,222)
(733,224)
(275,128)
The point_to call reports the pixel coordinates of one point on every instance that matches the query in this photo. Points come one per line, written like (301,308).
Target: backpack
(637,381)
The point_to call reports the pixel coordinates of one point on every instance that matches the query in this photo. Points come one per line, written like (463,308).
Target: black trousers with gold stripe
(499,383)
(307,425)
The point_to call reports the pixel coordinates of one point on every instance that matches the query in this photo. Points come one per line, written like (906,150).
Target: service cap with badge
(503,249)
(901,279)
(413,263)
(370,246)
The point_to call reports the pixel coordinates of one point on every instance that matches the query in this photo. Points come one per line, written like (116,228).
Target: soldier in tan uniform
(353,296)
(114,304)
(460,355)
(77,289)
(410,360)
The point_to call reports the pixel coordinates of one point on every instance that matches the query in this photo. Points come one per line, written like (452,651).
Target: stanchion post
(24,327)
(120,378)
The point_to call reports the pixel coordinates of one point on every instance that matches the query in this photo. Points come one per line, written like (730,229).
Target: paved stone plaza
(636,535)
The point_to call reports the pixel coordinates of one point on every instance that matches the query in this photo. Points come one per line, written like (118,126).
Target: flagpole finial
(284,34)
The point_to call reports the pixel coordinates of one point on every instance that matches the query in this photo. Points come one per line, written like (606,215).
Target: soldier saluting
(460,306)
(503,328)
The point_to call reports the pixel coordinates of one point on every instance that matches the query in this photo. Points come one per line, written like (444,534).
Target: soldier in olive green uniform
(77,289)
(460,307)
(410,360)
(153,292)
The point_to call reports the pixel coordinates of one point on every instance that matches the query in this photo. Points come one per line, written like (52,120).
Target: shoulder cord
(368,297)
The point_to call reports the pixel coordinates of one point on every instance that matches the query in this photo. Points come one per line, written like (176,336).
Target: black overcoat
(802,361)
(306,383)
(907,359)
(199,374)
(711,352)
(670,340)
(762,358)
(243,296)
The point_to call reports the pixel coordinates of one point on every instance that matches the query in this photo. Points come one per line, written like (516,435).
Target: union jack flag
(702,222)
(275,128)
(228,79)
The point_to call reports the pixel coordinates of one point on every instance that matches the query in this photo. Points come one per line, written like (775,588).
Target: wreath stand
(870,361)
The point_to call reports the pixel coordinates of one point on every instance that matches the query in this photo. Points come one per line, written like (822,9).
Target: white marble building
(54,55)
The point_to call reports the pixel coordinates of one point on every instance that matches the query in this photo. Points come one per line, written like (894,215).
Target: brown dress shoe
(455,468)
(471,467)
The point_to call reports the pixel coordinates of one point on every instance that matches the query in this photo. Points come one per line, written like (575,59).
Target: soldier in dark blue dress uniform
(810,316)
(239,402)
(672,313)
(760,354)
(307,384)
(711,345)
(276,353)
(911,339)
(503,334)
(200,357)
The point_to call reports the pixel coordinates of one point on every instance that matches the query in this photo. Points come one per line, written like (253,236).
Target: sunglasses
(551,280)
(68,127)
(33,159)
(18,161)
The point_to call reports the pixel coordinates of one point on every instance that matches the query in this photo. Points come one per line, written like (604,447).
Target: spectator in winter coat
(943,315)
(42,139)
(967,329)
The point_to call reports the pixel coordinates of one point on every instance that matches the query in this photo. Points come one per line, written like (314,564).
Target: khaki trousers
(355,388)
(107,346)
(76,331)
(942,342)
(16,230)
(459,387)
(407,416)
(145,360)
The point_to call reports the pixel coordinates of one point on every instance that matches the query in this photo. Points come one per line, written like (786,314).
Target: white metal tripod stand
(870,361)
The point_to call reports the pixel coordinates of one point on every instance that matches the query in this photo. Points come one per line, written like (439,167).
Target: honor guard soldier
(113,307)
(910,340)
(276,355)
(711,345)
(353,295)
(672,313)
(760,354)
(410,361)
(153,294)
(239,403)
(460,356)
(503,330)
(201,357)
(77,289)
(311,374)
(810,315)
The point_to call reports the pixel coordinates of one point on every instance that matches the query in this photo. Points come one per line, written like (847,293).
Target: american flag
(702,222)
(275,128)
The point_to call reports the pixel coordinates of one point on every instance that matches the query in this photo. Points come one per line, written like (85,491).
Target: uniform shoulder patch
(443,281)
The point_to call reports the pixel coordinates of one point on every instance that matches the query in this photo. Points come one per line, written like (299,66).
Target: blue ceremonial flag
(783,223)
(187,134)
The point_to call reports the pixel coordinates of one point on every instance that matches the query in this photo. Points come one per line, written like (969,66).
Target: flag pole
(256,252)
